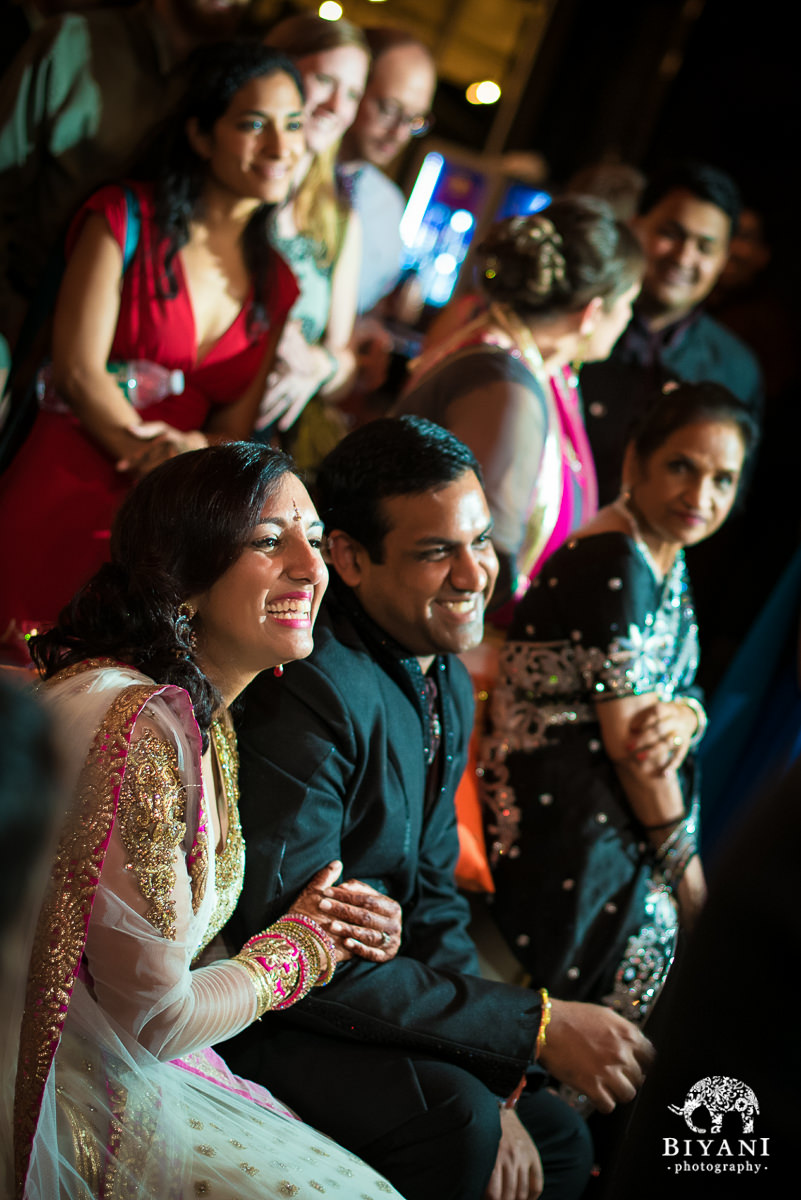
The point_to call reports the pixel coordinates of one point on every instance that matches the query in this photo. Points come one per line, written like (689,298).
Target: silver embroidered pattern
(545,685)
(642,971)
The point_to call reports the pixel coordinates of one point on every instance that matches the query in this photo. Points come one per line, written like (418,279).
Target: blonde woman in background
(319,236)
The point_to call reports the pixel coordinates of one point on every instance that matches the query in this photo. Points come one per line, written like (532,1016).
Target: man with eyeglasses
(394,109)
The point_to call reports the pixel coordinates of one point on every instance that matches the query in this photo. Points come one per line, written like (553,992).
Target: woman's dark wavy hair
(216,73)
(681,404)
(177,532)
(556,261)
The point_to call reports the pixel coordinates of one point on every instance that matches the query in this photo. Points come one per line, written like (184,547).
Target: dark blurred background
(636,81)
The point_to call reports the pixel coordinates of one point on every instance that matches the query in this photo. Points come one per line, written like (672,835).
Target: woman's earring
(278,671)
(186,613)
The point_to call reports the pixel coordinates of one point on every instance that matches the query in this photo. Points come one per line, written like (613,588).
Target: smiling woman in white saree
(216,574)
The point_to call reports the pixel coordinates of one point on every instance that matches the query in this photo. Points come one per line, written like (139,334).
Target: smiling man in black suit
(355,755)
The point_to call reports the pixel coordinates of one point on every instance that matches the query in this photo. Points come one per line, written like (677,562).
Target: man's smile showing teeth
(459,606)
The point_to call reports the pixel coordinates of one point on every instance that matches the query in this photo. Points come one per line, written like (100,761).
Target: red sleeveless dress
(59,497)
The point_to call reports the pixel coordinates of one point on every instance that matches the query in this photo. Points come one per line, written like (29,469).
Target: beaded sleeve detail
(152,825)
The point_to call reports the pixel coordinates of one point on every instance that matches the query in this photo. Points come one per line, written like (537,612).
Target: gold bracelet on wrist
(310,946)
(322,942)
(282,969)
(545,1018)
(261,984)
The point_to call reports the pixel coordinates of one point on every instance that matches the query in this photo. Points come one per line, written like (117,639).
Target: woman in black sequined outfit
(588,770)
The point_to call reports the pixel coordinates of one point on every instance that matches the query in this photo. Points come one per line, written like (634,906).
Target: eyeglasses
(392,115)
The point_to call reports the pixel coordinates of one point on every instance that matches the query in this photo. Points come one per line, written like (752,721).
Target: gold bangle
(261,984)
(305,939)
(281,968)
(321,940)
(545,1018)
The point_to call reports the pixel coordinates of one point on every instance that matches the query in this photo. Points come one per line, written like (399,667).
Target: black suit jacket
(333,766)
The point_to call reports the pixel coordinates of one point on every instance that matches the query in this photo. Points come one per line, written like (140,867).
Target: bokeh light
(484,92)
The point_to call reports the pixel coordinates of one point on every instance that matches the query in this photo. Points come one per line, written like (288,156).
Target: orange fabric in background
(472,870)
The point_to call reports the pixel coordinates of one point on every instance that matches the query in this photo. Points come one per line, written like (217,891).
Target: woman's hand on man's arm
(360,920)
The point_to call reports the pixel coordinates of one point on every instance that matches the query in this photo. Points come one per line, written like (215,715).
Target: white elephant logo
(718,1094)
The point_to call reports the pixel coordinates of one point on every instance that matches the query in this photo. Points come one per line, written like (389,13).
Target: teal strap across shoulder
(132,227)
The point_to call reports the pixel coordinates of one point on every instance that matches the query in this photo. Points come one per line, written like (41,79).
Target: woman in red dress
(203,294)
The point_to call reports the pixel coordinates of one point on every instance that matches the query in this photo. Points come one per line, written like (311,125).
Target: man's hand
(517,1174)
(596,1051)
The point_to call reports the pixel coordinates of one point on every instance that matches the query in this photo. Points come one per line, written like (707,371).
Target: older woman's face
(262,610)
(334,83)
(685,490)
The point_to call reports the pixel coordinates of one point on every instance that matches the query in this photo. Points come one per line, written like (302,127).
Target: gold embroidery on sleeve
(151,822)
(61,928)
(230,862)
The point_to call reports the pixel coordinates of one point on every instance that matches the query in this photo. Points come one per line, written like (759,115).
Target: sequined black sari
(579,897)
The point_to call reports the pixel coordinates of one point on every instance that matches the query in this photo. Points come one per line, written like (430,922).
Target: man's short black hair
(392,456)
(702,180)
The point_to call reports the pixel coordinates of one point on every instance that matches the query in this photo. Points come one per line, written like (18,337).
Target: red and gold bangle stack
(278,967)
(287,960)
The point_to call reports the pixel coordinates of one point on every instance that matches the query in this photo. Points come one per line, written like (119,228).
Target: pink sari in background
(574,489)
(570,481)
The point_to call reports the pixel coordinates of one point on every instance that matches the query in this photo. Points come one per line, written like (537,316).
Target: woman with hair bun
(215,574)
(178,273)
(559,286)
(587,769)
